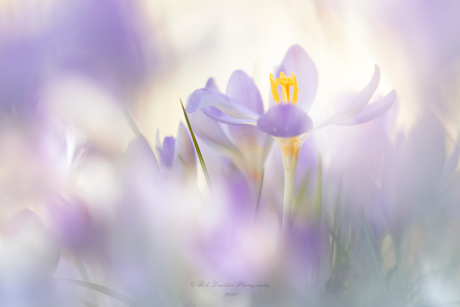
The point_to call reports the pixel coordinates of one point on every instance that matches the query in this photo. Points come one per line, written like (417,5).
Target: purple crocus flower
(177,155)
(246,145)
(76,228)
(298,90)
(288,121)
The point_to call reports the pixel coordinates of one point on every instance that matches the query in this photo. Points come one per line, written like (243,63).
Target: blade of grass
(133,124)
(319,188)
(335,229)
(185,166)
(141,136)
(112,293)
(260,189)
(375,254)
(319,191)
(85,302)
(85,276)
(82,268)
(300,196)
(197,148)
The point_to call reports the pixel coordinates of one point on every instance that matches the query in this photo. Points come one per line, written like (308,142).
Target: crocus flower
(76,228)
(177,156)
(288,121)
(247,145)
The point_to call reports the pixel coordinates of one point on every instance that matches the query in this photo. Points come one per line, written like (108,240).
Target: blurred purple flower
(177,156)
(102,40)
(76,228)
(23,61)
(248,146)
(306,260)
(229,244)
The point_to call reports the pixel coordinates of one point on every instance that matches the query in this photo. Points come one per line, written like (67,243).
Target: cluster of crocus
(287,121)
(85,223)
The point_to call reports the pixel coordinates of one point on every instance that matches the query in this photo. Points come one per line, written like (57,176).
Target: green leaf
(300,196)
(136,131)
(319,188)
(185,166)
(133,124)
(112,293)
(336,232)
(197,148)
(260,190)
(85,302)
(375,254)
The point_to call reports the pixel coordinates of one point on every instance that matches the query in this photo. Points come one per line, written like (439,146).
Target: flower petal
(211,132)
(356,104)
(204,98)
(168,148)
(297,61)
(211,86)
(222,117)
(139,152)
(242,90)
(285,120)
(162,158)
(164,151)
(373,110)
(253,143)
(184,150)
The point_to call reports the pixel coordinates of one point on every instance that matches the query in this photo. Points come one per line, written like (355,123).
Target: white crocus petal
(355,105)
(238,111)
(222,117)
(202,98)
(212,133)
(372,110)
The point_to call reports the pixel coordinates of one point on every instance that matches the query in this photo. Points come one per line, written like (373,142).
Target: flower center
(285,83)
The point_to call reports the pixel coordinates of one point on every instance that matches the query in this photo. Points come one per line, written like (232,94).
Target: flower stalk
(290,150)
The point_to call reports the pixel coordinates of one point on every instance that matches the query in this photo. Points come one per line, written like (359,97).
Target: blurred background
(78,77)
(185,42)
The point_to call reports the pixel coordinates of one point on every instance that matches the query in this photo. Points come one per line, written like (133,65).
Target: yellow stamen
(285,83)
(274,91)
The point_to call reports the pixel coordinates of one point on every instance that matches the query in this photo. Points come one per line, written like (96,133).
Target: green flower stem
(319,189)
(290,150)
